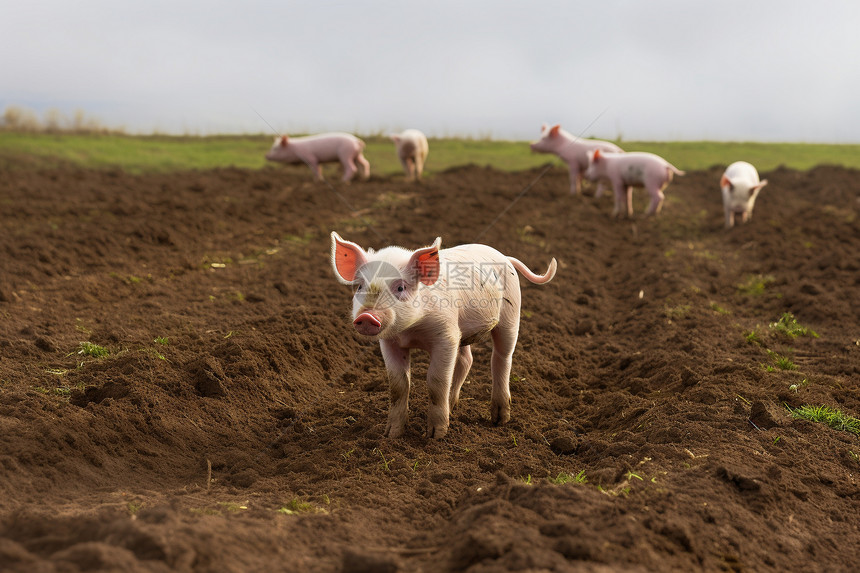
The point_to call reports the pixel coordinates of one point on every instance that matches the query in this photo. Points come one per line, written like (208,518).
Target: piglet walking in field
(412,150)
(629,170)
(441,301)
(573,151)
(314,150)
(740,186)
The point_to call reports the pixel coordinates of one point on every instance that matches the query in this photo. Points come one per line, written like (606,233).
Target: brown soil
(251,438)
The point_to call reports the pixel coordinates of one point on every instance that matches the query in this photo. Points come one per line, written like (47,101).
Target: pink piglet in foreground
(740,186)
(441,301)
(314,150)
(632,169)
(573,151)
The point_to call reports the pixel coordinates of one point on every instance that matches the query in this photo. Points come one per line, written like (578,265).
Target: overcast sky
(655,70)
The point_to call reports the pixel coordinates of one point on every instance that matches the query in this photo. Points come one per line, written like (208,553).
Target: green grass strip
(827,415)
(164,154)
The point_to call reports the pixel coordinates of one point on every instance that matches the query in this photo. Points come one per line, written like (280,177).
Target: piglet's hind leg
(461,370)
(504,342)
(440,373)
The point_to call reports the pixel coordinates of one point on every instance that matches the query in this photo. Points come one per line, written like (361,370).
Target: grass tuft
(297,506)
(563,478)
(832,417)
(719,309)
(676,312)
(92,350)
(788,326)
(755,285)
(752,337)
(779,362)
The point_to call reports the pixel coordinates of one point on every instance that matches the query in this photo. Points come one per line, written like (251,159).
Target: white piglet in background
(629,170)
(314,150)
(441,301)
(573,151)
(740,186)
(412,150)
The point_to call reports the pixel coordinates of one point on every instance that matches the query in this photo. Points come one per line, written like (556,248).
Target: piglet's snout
(367,324)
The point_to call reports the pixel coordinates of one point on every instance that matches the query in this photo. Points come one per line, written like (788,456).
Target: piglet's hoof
(394,431)
(500,415)
(437,432)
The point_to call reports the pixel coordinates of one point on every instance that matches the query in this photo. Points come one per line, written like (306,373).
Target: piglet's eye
(400,288)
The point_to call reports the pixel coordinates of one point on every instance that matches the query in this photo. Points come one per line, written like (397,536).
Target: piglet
(573,151)
(412,150)
(632,169)
(441,301)
(740,186)
(314,150)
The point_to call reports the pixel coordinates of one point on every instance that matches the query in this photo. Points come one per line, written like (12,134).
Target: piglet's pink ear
(284,139)
(724,182)
(596,155)
(424,263)
(346,258)
(554,131)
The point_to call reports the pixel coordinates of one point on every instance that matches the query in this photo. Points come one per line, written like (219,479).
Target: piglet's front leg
(397,362)
(440,373)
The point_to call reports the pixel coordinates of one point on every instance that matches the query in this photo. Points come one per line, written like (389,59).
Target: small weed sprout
(563,478)
(677,312)
(92,350)
(829,416)
(799,385)
(755,285)
(63,391)
(752,337)
(527,479)
(788,326)
(297,506)
(386,463)
(81,327)
(162,340)
(781,362)
(231,507)
(719,309)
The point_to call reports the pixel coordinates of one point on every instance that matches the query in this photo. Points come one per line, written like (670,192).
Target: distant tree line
(22,119)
